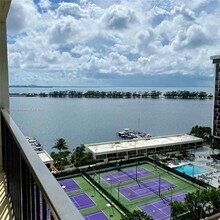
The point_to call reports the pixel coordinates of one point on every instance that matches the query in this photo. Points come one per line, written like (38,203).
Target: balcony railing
(34,192)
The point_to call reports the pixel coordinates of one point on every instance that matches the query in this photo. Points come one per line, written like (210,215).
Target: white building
(143,147)
(46,158)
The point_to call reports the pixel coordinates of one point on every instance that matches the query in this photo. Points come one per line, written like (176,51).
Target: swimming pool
(190,169)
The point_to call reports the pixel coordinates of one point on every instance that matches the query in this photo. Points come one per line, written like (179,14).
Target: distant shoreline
(118,95)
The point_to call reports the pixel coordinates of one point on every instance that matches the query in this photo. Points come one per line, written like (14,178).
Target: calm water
(84,120)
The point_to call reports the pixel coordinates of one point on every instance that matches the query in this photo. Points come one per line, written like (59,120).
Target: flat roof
(215,59)
(44,156)
(155,142)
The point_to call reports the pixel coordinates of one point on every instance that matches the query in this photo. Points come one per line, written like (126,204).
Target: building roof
(44,156)
(120,146)
(215,59)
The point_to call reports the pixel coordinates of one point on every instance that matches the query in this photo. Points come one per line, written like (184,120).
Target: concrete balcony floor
(5,211)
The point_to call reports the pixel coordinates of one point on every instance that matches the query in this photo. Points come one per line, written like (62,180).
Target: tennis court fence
(105,192)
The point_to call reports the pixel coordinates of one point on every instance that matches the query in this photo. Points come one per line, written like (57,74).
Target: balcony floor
(5,211)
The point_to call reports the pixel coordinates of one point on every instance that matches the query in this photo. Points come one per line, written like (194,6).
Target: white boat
(35,143)
(127,134)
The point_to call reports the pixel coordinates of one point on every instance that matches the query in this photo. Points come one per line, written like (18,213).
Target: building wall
(216,101)
(126,154)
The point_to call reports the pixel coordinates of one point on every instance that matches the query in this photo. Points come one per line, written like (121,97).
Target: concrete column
(4,91)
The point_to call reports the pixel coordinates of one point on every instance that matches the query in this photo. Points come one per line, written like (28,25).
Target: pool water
(190,169)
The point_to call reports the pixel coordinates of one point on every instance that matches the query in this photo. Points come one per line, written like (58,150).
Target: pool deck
(203,159)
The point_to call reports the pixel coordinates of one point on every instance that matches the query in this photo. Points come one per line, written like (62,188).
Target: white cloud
(72,9)
(147,42)
(45,4)
(22,16)
(71,41)
(118,17)
(185,12)
(63,31)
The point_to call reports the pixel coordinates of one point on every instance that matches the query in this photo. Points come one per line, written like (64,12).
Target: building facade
(143,147)
(216,97)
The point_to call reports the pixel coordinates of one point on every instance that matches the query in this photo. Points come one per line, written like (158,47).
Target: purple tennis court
(145,188)
(98,215)
(41,213)
(69,185)
(160,209)
(125,175)
(81,201)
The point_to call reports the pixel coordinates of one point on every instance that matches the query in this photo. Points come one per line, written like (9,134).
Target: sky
(113,42)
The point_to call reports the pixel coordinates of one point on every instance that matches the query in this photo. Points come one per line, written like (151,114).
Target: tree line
(119,94)
(187,95)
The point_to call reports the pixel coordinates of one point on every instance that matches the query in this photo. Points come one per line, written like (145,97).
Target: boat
(34,143)
(127,134)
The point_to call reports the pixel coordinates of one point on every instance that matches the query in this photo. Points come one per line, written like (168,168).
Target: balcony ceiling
(4,8)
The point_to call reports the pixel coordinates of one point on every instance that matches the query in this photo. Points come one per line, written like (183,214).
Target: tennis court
(122,185)
(125,175)
(160,209)
(145,188)
(98,215)
(81,200)
(69,185)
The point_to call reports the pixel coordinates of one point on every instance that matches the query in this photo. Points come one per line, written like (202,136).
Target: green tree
(60,158)
(214,198)
(202,132)
(136,215)
(177,209)
(192,203)
(61,145)
(80,157)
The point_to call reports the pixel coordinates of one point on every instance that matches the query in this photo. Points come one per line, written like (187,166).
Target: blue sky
(113,42)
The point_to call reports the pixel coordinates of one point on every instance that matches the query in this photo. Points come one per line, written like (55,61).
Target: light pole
(136,158)
(117,144)
(159,182)
(99,175)
(62,163)
(109,180)
(95,175)
(116,148)
(193,170)
(171,193)
(118,190)
(109,206)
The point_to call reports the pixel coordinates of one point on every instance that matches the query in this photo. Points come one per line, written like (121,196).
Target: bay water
(92,120)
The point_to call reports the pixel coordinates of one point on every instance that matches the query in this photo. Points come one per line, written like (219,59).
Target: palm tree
(61,158)
(61,145)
